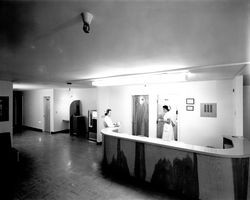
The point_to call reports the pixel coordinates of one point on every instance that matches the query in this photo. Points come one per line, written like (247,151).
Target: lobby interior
(185,53)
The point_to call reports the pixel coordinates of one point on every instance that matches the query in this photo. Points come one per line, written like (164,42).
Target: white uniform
(108,122)
(168,131)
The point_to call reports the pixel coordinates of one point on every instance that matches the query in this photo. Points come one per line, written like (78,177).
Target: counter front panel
(192,174)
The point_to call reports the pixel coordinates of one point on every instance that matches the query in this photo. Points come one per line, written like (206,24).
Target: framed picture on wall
(190,108)
(4,108)
(190,101)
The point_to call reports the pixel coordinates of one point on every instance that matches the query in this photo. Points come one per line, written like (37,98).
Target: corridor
(62,167)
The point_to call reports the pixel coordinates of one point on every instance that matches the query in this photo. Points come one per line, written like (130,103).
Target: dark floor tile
(64,167)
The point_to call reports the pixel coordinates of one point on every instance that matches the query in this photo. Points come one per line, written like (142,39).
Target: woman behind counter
(168,131)
(108,123)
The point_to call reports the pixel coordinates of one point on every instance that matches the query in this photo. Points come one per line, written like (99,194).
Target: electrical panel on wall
(208,109)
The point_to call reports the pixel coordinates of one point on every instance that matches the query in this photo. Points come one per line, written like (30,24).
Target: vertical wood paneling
(140,115)
(180,176)
(128,148)
(215,178)
(140,168)
(240,177)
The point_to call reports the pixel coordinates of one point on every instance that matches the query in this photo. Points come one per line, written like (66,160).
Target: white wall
(103,102)
(33,109)
(59,106)
(62,100)
(207,131)
(6,90)
(192,128)
(238,105)
(61,103)
(246,111)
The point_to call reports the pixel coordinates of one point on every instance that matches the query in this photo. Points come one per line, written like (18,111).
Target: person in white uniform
(108,123)
(169,123)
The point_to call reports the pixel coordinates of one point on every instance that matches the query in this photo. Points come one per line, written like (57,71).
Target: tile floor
(63,167)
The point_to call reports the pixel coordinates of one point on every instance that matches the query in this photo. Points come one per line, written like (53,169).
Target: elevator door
(140,115)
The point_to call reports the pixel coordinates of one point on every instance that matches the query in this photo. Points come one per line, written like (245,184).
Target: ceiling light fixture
(27,86)
(69,84)
(86,18)
(141,79)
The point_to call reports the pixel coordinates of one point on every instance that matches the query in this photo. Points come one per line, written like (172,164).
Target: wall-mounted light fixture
(86,18)
(69,84)
(69,93)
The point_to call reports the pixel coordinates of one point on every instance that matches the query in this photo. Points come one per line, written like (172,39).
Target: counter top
(240,149)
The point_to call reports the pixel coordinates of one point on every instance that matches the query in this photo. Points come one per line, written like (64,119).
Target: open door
(92,123)
(172,101)
(17,111)
(74,111)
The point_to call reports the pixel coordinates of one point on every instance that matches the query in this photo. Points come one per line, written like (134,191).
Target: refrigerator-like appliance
(92,125)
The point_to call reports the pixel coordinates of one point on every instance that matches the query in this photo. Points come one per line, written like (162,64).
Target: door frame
(133,122)
(45,98)
(175,98)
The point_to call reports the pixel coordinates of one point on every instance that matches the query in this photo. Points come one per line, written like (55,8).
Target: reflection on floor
(63,167)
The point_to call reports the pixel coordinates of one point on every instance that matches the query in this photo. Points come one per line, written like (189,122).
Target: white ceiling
(42,42)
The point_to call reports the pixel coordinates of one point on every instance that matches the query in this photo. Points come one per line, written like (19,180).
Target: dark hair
(107,111)
(168,108)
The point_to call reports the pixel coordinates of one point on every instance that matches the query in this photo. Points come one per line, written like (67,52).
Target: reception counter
(194,171)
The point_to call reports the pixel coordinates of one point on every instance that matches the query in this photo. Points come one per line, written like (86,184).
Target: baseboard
(92,140)
(62,131)
(32,128)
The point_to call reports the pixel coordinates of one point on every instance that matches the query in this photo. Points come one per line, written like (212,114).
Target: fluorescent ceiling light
(140,79)
(21,86)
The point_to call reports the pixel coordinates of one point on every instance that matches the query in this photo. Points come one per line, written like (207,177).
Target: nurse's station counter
(196,172)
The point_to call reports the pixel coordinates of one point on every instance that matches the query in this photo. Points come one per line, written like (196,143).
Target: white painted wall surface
(61,103)
(59,107)
(119,100)
(33,110)
(207,131)
(238,105)
(62,100)
(246,111)
(193,129)
(6,90)
(103,103)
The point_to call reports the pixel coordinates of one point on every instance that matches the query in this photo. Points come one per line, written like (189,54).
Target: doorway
(46,106)
(172,101)
(140,124)
(17,111)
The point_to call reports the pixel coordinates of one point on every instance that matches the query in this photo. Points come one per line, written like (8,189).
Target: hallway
(60,166)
